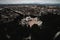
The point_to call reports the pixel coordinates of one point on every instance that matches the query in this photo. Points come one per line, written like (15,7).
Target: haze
(29,1)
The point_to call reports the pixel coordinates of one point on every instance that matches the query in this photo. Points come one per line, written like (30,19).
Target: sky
(29,1)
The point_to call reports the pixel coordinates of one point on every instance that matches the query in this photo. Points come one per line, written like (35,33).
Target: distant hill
(29,4)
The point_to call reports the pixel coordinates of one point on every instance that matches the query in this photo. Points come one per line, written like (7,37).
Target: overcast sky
(29,1)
